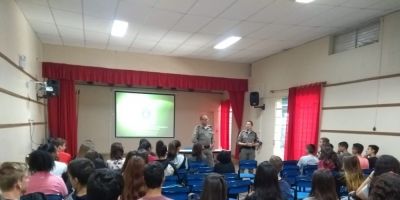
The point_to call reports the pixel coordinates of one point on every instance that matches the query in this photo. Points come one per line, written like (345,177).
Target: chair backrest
(308,170)
(171,180)
(176,192)
(205,169)
(290,162)
(238,186)
(367,172)
(195,165)
(247,164)
(231,176)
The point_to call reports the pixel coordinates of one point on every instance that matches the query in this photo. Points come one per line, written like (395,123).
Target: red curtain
(224,124)
(62,113)
(304,106)
(141,78)
(237,103)
(62,117)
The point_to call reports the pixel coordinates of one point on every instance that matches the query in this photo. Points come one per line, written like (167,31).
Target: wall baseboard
(21,124)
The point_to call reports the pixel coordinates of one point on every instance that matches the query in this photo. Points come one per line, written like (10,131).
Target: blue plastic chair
(290,162)
(176,192)
(238,186)
(171,180)
(231,176)
(290,175)
(193,180)
(196,165)
(247,164)
(309,170)
(367,172)
(205,169)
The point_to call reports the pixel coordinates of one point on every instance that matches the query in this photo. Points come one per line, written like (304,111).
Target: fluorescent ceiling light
(119,28)
(227,42)
(304,1)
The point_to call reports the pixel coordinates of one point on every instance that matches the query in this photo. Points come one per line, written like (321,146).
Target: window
(356,38)
(281,106)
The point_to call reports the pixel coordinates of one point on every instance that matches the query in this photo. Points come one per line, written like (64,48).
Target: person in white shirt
(117,156)
(309,159)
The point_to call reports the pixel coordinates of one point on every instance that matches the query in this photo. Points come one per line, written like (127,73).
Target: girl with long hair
(323,186)
(266,185)
(352,172)
(134,185)
(214,188)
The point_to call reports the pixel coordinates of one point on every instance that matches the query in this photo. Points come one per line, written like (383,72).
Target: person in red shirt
(61,145)
(357,151)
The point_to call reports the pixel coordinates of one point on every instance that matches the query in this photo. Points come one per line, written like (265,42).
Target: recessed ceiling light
(304,1)
(227,42)
(119,28)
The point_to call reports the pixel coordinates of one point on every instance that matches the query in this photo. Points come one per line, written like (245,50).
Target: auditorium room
(199,99)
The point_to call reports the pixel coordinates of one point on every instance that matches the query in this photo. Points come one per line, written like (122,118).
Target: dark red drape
(62,115)
(304,106)
(224,124)
(237,103)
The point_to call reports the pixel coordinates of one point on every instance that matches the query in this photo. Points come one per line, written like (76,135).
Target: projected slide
(144,114)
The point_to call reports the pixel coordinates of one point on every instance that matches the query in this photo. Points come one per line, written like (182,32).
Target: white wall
(17,37)
(311,62)
(143,62)
(96,116)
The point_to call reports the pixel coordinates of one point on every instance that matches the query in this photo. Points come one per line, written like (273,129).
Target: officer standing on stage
(248,142)
(204,135)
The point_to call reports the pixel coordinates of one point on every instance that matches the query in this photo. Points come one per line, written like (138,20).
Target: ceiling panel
(68,19)
(219,26)
(190,28)
(44,28)
(36,12)
(191,23)
(210,8)
(181,6)
(104,9)
(242,9)
(97,25)
(67,5)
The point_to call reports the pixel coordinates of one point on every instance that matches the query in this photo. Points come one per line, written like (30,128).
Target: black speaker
(52,88)
(254,98)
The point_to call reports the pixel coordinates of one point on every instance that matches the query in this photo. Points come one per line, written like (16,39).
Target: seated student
(309,159)
(104,184)
(116,156)
(179,160)
(41,180)
(385,163)
(141,153)
(197,154)
(79,171)
(144,144)
(277,162)
(357,151)
(328,158)
(371,155)
(154,177)
(386,187)
(224,164)
(161,151)
(134,186)
(323,186)
(96,158)
(342,151)
(322,142)
(352,173)
(13,180)
(214,188)
(85,147)
(59,167)
(61,145)
(266,184)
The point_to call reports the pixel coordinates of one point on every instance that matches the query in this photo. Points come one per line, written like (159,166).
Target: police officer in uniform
(248,142)
(204,135)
